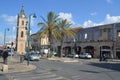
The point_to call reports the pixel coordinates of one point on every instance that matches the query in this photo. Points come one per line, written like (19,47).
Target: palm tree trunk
(61,48)
(49,36)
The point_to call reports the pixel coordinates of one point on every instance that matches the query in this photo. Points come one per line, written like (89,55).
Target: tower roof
(22,12)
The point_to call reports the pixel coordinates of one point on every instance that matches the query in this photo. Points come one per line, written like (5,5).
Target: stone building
(103,39)
(97,40)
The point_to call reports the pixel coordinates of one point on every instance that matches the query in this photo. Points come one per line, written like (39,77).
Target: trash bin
(21,58)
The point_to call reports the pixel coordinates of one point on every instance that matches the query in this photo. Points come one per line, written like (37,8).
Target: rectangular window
(118,33)
(85,35)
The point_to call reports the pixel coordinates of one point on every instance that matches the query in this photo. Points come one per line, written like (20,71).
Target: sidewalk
(63,59)
(14,65)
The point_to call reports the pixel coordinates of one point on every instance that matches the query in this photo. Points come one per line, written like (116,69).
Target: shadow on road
(88,71)
(111,66)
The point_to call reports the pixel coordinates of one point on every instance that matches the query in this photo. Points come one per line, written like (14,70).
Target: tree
(49,27)
(64,30)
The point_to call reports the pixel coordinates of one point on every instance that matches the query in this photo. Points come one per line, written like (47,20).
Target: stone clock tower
(21,37)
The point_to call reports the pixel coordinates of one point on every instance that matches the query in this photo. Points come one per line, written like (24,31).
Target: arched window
(22,33)
(22,22)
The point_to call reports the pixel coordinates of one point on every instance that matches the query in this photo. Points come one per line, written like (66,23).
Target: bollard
(5,68)
(21,58)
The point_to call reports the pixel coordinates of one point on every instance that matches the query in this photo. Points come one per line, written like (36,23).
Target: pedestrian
(5,55)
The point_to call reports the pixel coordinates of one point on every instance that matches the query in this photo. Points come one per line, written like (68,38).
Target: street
(82,70)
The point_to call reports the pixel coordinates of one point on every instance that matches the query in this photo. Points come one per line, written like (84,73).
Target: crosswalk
(41,74)
(37,75)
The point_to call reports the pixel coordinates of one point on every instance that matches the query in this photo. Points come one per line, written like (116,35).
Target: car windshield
(86,53)
(33,54)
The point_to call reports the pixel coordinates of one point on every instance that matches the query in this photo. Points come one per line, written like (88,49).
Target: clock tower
(21,37)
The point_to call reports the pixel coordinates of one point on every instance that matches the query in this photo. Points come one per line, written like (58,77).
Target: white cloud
(93,14)
(111,19)
(10,20)
(108,19)
(89,23)
(67,16)
(109,1)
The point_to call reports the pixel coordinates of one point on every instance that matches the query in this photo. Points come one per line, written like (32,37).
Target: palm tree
(48,27)
(64,30)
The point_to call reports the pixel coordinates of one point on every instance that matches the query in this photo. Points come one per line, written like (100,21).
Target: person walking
(5,55)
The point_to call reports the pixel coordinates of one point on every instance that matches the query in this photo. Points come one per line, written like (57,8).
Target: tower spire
(22,12)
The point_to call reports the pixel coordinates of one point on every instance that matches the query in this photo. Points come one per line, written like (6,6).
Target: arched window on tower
(22,22)
(22,34)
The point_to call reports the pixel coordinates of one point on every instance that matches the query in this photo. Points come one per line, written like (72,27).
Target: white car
(85,55)
(32,56)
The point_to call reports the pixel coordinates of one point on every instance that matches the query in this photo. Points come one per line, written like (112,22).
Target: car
(32,56)
(72,55)
(85,56)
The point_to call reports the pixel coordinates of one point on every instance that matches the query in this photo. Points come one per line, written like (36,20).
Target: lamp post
(74,46)
(28,37)
(6,29)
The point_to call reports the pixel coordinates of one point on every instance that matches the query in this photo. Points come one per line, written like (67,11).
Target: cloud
(10,20)
(111,19)
(89,23)
(108,19)
(93,14)
(67,16)
(109,1)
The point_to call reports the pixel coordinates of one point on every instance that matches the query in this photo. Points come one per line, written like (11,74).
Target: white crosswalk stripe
(41,75)
(76,77)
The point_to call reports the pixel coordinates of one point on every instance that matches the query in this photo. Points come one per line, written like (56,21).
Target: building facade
(97,40)
(21,36)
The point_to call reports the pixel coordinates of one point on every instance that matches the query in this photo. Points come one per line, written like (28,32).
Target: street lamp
(6,29)
(28,37)
(74,46)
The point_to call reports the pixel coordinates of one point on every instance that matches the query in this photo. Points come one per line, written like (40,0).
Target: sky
(84,13)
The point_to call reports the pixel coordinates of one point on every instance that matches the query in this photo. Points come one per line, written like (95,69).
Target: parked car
(32,56)
(72,55)
(85,56)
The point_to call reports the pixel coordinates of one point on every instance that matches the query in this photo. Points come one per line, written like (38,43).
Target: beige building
(38,42)
(21,32)
(97,40)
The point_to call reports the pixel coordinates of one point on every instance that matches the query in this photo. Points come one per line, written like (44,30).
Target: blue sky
(85,13)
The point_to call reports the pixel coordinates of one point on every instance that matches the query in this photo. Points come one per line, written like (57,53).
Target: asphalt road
(3,77)
(82,70)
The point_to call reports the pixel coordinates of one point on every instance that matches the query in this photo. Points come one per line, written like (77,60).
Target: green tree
(49,27)
(64,30)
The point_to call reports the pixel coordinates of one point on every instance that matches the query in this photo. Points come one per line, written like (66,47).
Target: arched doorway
(118,53)
(78,50)
(89,49)
(67,50)
(105,50)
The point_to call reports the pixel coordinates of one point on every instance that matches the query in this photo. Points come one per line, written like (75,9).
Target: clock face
(23,15)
